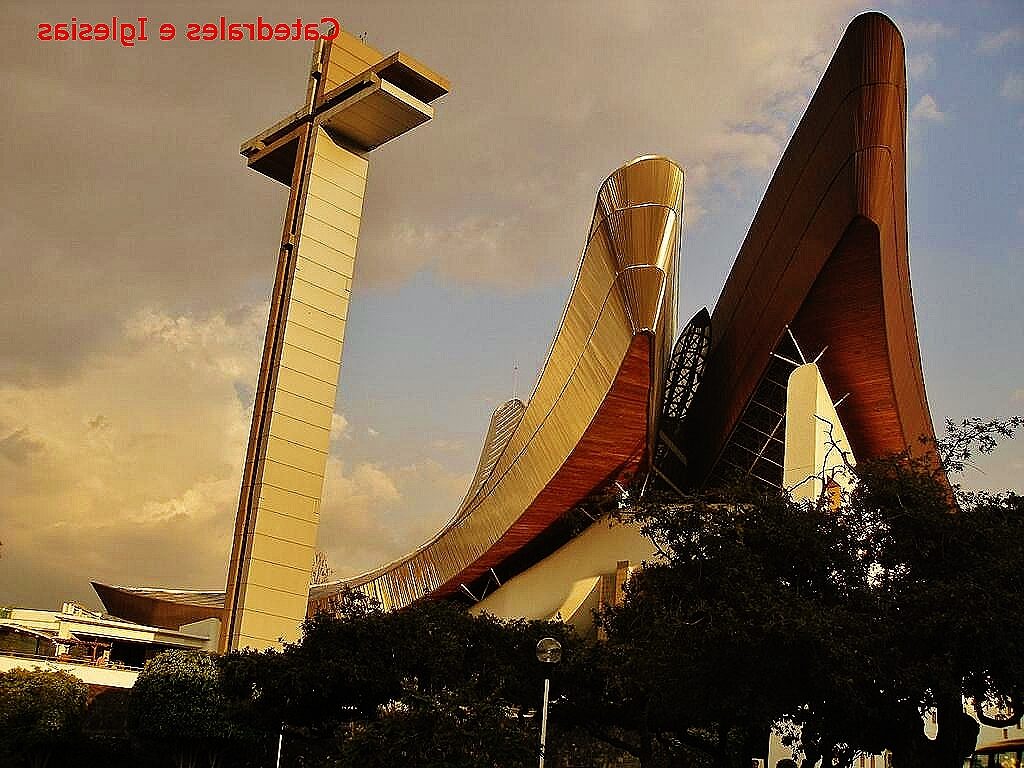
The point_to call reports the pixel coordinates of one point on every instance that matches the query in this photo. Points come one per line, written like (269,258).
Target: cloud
(367,482)
(1004,38)
(98,422)
(1013,87)
(447,445)
(920,66)
(205,499)
(497,192)
(927,110)
(339,427)
(926,31)
(747,150)
(469,251)
(200,341)
(373,512)
(138,312)
(511,180)
(128,471)
(19,446)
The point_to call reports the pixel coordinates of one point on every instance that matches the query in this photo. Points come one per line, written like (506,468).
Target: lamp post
(549,651)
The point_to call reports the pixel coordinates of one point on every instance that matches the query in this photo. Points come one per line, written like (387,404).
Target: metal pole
(544,721)
(280,743)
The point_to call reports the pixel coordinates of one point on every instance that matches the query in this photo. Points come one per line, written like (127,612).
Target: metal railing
(97,664)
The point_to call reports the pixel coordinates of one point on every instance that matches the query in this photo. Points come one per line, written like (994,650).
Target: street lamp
(549,651)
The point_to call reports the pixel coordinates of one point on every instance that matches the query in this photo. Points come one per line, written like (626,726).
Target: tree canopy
(841,622)
(844,622)
(41,713)
(177,706)
(428,685)
(832,620)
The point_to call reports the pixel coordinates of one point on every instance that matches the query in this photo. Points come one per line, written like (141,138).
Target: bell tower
(356,100)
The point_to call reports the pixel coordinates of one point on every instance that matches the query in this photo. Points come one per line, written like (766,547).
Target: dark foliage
(41,716)
(840,622)
(429,685)
(843,621)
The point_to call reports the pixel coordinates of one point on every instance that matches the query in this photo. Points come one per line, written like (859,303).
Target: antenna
(515,379)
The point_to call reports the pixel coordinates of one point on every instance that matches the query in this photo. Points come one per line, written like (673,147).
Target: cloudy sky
(138,252)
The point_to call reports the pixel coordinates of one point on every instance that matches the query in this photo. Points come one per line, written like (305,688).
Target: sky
(138,252)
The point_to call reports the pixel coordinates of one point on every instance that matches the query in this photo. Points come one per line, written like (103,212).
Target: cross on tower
(357,99)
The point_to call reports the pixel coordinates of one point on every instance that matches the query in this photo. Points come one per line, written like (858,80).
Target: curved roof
(504,420)
(590,420)
(168,608)
(826,255)
(591,416)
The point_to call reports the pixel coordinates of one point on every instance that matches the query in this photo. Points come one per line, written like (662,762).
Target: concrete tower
(356,100)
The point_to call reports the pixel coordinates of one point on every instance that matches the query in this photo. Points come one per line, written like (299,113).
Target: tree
(440,731)
(321,570)
(941,584)
(40,714)
(848,622)
(719,640)
(368,682)
(177,708)
(830,619)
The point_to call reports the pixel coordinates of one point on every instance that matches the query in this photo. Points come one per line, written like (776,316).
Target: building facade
(101,650)
(808,362)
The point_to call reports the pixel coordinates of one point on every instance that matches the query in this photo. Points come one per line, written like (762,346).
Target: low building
(101,650)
